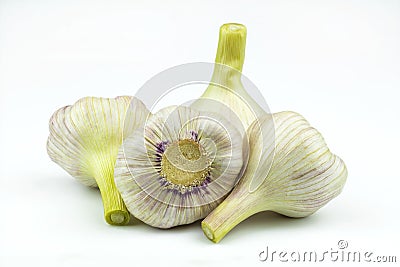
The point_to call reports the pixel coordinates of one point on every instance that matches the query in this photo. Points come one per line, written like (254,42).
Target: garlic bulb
(303,177)
(179,167)
(84,140)
(226,86)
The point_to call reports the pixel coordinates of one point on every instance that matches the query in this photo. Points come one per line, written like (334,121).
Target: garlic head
(84,140)
(179,167)
(303,177)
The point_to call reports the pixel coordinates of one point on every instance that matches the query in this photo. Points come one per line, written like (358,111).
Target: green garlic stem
(230,52)
(233,210)
(115,212)
(232,45)
(226,82)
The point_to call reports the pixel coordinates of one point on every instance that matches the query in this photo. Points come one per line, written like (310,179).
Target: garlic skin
(179,167)
(226,86)
(84,140)
(303,177)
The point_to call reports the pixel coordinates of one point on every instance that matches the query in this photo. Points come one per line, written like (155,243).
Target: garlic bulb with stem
(179,167)
(304,175)
(84,140)
(226,85)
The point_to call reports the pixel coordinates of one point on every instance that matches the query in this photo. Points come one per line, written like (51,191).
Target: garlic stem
(115,212)
(232,45)
(226,89)
(233,210)
(230,52)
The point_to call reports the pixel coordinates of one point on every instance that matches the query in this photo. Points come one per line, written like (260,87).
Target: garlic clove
(84,140)
(178,167)
(226,85)
(304,175)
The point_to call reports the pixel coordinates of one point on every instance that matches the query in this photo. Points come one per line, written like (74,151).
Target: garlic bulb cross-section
(303,177)
(84,140)
(179,167)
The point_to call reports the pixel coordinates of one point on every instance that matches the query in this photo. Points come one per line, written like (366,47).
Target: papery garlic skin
(84,140)
(166,187)
(303,177)
(226,86)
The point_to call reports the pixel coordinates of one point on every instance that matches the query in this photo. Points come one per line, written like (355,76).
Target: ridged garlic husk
(84,140)
(179,167)
(226,85)
(303,177)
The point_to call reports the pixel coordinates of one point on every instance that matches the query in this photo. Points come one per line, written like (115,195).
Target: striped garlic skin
(303,177)
(304,174)
(137,172)
(85,137)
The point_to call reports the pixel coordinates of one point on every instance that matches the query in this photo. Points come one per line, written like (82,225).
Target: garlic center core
(185,163)
(189,149)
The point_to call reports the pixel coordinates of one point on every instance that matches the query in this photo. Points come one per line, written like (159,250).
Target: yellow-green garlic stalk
(303,177)
(226,86)
(84,140)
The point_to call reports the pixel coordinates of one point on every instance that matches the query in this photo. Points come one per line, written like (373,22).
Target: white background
(335,62)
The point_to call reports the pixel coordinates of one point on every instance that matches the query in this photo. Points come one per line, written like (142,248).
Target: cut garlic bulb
(84,140)
(226,85)
(303,177)
(179,167)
